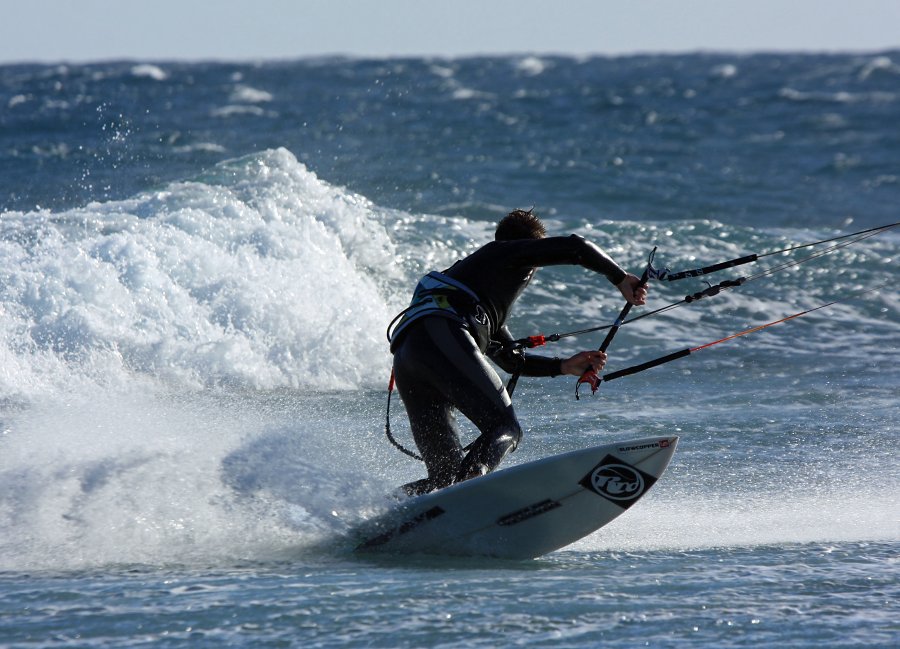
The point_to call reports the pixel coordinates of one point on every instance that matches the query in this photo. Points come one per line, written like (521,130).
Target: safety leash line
(387,424)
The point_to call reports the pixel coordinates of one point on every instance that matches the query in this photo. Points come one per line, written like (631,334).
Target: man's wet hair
(520,224)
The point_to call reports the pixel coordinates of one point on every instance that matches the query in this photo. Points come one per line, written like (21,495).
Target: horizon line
(708,51)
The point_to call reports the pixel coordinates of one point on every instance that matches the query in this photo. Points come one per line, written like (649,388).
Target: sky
(161,30)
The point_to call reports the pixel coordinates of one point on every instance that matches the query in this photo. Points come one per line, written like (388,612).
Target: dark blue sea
(199,261)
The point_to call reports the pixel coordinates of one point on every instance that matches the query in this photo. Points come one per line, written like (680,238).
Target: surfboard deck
(524,511)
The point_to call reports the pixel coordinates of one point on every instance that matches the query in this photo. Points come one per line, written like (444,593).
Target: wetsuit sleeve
(574,250)
(528,364)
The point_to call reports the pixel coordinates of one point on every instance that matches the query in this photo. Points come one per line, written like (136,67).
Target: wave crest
(256,274)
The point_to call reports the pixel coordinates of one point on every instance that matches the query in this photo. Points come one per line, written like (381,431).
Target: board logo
(617,481)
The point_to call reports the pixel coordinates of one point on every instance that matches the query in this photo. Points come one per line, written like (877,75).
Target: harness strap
(435,293)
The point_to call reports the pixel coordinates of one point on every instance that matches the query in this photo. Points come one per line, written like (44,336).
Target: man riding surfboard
(456,322)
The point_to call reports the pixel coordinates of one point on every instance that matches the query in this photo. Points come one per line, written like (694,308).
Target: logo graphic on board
(617,481)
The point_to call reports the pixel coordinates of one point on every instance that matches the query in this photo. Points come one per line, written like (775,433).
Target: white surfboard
(527,510)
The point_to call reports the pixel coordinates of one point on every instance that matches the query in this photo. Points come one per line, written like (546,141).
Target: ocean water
(199,261)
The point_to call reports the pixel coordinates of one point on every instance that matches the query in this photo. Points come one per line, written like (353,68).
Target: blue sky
(83,30)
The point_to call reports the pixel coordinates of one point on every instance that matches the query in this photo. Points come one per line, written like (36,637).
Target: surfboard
(524,511)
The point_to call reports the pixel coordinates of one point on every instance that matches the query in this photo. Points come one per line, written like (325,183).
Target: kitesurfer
(456,322)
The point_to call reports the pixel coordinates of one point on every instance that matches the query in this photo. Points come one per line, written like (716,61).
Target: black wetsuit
(440,358)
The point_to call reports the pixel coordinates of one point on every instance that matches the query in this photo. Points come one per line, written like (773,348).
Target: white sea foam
(239,109)
(443,71)
(531,66)
(16,100)
(259,274)
(208,147)
(250,95)
(149,71)
(878,65)
(724,70)
(839,97)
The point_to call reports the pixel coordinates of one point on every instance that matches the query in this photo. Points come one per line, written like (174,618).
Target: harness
(438,294)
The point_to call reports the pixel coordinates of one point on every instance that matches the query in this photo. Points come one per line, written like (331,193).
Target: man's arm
(537,365)
(573,250)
